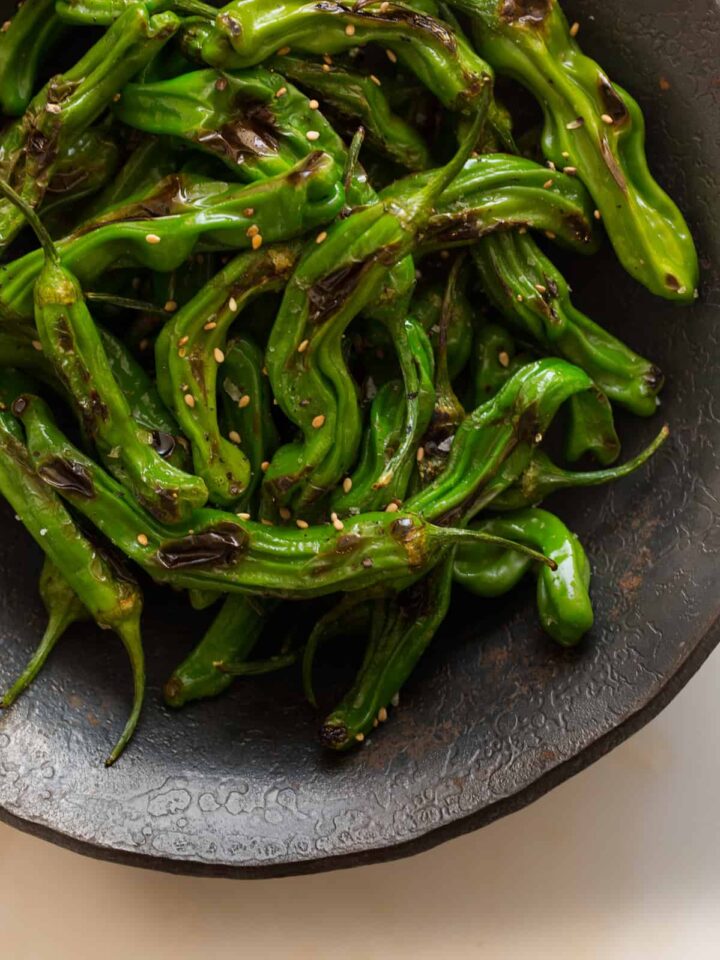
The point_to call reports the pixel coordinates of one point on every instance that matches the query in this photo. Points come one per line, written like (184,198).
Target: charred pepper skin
(69,103)
(563,599)
(596,128)
(33,30)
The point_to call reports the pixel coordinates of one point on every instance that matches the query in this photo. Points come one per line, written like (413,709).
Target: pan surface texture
(495,715)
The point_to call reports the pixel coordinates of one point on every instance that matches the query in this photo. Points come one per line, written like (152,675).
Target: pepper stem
(352,157)
(253,668)
(129,633)
(445,175)
(457,535)
(128,303)
(39,228)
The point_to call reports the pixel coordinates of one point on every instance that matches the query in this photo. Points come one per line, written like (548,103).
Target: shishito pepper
(563,600)
(595,128)
(28,38)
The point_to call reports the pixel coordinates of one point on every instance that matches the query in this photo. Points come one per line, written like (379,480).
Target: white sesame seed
(548,184)
(283,51)
(152,238)
(575,124)
(170,306)
(210,325)
(232,305)
(392,507)
(302,524)
(420,454)
(606,118)
(37,345)
(243,516)
(190,400)
(391,55)
(234,436)
(321,237)
(597,215)
(375,80)
(284,513)
(244,401)
(347,484)
(53,107)
(219,355)
(382,715)
(142,539)
(575,29)
(350,30)
(359,737)
(264,465)
(312,135)
(318,421)
(281,92)
(338,524)
(540,288)
(256,241)
(504,358)
(313,104)
(571,171)
(302,347)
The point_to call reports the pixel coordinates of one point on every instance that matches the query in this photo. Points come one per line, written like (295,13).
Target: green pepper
(24,43)
(182,215)
(563,600)
(427,308)
(595,128)
(495,360)
(63,609)
(69,103)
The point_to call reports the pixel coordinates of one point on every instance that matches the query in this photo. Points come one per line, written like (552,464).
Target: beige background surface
(623,862)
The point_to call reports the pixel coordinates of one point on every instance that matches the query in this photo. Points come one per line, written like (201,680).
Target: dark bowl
(495,715)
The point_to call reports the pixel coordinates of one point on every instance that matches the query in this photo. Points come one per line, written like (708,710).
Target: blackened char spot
(654,378)
(69,476)
(311,164)
(612,164)
(41,150)
(218,546)
(328,294)
(464,227)
(20,406)
(233,26)
(413,19)
(333,735)
(525,11)
(163,443)
(672,282)
(579,227)
(348,543)
(252,133)
(64,335)
(168,198)
(612,101)
(65,180)
(402,529)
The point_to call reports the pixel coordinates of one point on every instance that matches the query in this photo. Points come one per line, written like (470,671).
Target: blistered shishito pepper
(190,350)
(63,608)
(228,553)
(596,128)
(113,600)
(246,32)
(534,297)
(427,308)
(332,284)
(563,600)
(183,215)
(31,33)
(230,638)
(69,103)
(356,97)
(495,360)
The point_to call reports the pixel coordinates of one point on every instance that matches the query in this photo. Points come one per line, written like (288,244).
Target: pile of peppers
(280,323)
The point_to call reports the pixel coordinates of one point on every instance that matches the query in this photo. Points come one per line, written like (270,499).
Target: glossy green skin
(493,342)
(29,146)
(540,477)
(402,627)
(427,306)
(563,600)
(271,561)
(101,13)
(34,30)
(146,407)
(71,340)
(509,266)
(192,216)
(63,609)
(495,442)
(247,32)
(113,602)
(591,429)
(647,230)
(356,97)
(231,638)
(241,375)
(186,364)
(85,167)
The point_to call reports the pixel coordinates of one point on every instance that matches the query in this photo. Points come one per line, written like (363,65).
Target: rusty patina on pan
(495,715)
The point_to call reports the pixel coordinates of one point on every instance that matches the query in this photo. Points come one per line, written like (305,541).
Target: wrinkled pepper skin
(71,102)
(246,32)
(563,600)
(355,97)
(534,297)
(34,29)
(182,216)
(597,128)
(114,602)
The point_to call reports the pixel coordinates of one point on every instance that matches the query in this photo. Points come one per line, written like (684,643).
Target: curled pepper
(30,35)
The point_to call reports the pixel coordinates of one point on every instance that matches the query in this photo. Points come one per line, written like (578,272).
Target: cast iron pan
(496,715)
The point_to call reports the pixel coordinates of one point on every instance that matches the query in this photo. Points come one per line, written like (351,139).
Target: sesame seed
(264,465)
(283,51)
(38,346)
(313,104)
(597,215)
(264,371)
(606,118)
(551,165)
(538,438)
(384,6)
(281,92)
(570,171)
(244,401)
(234,436)
(382,715)
(420,454)
(565,154)
(327,58)
(321,237)
(375,80)
(267,523)
(575,29)
(548,184)
(338,524)
(152,238)
(243,516)
(540,288)
(520,298)
(284,513)
(190,400)
(219,355)
(312,135)
(142,539)
(392,507)
(182,353)
(504,358)
(252,231)
(232,304)
(522,230)
(550,235)
(53,108)
(326,68)
(318,421)
(6,26)
(395,699)
(117,97)
(375,722)
(170,306)
(391,55)
(367,562)
(575,124)
(256,242)
(302,524)
(347,484)
(221,83)
(302,347)
(359,737)
(249,211)
(210,325)
(350,30)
